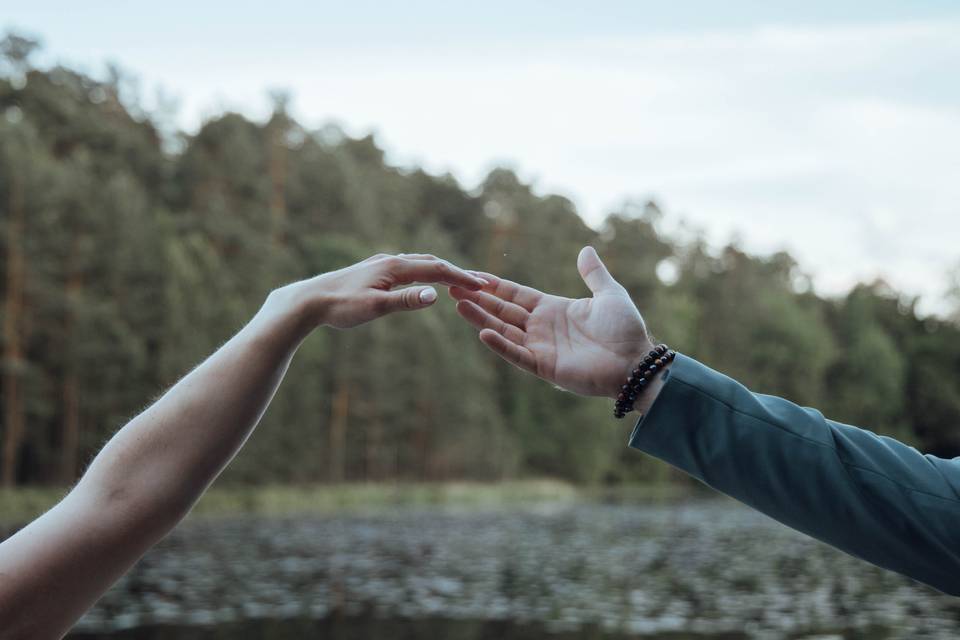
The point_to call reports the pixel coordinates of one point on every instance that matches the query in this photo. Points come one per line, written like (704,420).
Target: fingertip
(466,308)
(587,254)
(458,293)
(476,282)
(463,308)
(486,278)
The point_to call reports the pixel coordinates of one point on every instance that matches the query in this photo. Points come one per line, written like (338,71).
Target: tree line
(124,263)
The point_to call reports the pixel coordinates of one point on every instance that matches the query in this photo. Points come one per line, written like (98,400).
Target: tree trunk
(338,431)
(374,450)
(12,370)
(422,440)
(70,436)
(70,428)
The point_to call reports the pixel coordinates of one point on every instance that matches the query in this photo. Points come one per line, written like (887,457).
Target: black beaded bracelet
(640,377)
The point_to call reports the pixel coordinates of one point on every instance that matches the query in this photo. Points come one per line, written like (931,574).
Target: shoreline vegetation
(21,505)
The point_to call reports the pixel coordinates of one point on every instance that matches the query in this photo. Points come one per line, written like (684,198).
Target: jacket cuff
(678,413)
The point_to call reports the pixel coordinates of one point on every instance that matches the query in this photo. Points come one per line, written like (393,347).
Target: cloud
(836,142)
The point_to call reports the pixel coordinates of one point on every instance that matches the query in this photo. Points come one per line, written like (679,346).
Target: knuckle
(391,263)
(409,298)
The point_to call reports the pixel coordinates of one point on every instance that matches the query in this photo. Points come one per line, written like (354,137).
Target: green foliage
(139,262)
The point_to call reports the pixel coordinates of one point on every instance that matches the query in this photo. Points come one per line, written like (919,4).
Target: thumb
(410,298)
(593,271)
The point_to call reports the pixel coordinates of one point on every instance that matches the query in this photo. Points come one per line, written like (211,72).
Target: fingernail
(428,295)
(481,281)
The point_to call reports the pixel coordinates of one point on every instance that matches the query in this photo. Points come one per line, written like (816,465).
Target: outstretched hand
(367,290)
(587,345)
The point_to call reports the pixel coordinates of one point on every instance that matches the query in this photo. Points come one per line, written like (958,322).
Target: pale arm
(153,470)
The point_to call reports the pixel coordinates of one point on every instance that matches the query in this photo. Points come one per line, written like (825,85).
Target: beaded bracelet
(655,361)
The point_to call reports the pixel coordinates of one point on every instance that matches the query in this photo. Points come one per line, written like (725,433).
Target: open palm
(587,345)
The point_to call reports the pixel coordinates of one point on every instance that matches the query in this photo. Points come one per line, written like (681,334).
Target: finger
(483,320)
(510,351)
(405,271)
(526,297)
(408,299)
(506,311)
(417,256)
(594,272)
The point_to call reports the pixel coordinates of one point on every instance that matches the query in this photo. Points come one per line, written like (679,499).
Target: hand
(365,291)
(588,346)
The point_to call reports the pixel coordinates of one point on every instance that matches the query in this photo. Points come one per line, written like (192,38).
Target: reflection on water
(692,570)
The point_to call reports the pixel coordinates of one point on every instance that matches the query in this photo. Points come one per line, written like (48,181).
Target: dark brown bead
(671,354)
(621,396)
(661,349)
(653,354)
(641,383)
(636,372)
(658,362)
(648,360)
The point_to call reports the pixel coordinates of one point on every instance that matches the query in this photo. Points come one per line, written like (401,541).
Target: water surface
(699,569)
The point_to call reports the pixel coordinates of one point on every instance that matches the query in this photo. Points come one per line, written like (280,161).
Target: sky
(827,129)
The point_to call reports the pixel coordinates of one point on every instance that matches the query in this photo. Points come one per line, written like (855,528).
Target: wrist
(645,380)
(647,398)
(630,358)
(292,312)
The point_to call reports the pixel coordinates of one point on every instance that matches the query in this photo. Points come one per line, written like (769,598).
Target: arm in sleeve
(870,496)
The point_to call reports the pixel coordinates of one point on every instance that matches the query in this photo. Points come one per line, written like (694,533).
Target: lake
(694,569)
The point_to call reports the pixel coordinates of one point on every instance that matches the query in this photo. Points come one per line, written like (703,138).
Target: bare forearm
(156,467)
(146,478)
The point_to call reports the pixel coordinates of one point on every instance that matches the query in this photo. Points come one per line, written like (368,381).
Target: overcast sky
(830,131)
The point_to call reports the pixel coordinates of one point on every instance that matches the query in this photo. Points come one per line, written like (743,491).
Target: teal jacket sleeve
(868,495)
